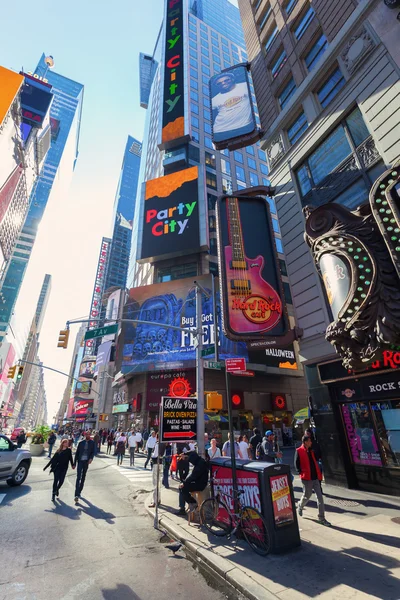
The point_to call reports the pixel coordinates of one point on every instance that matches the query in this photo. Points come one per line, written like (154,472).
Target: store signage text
(164,224)
(384,387)
(98,291)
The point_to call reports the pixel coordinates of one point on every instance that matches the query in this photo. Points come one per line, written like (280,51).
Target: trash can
(268,488)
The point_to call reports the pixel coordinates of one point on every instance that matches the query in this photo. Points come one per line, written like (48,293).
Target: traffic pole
(231,439)
(199,374)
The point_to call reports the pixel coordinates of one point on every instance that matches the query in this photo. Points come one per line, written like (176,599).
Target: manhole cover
(345,503)
(396,520)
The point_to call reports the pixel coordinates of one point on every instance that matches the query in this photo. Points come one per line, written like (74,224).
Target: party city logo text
(166,221)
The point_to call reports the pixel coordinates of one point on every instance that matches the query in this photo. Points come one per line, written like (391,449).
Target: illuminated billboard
(173,113)
(154,347)
(10,84)
(233,119)
(173,216)
(82,408)
(86,370)
(253,304)
(36,99)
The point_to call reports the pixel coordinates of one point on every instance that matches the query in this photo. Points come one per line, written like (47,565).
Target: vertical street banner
(178,419)
(253,303)
(173,113)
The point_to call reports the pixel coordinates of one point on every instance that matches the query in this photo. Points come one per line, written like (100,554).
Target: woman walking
(214,451)
(59,464)
(120,448)
(110,442)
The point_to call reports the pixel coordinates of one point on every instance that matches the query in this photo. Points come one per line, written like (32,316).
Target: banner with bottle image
(363,446)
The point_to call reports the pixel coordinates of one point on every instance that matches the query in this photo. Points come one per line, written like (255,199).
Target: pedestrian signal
(63,338)
(214,401)
(11,372)
(20,373)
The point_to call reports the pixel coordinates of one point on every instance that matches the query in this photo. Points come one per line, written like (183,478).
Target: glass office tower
(65,117)
(222,16)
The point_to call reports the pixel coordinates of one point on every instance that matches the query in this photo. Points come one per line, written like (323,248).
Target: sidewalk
(358,558)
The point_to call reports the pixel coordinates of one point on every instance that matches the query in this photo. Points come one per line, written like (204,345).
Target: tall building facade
(327,81)
(65,119)
(208,47)
(124,208)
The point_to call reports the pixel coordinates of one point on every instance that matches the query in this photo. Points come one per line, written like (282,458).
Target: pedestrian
(255,439)
(195,482)
(132,448)
(59,466)
(21,439)
(96,439)
(267,450)
(244,446)
(182,466)
(104,436)
(120,448)
(214,451)
(155,465)
(167,459)
(150,445)
(51,440)
(139,440)
(226,448)
(110,442)
(311,476)
(83,457)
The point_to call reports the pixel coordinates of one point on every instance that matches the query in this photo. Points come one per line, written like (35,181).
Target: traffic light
(214,401)
(20,372)
(11,372)
(63,338)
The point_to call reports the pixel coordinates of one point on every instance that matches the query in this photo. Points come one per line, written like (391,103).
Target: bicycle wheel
(216,517)
(255,530)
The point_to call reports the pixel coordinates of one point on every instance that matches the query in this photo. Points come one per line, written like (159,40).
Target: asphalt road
(104,548)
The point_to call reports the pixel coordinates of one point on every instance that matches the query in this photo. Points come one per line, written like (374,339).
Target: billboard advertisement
(337,280)
(233,117)
(172,215)
(173,113)
(36,99)
(103,355)
(169,383)
(82,408)
(281,500)
(253,305)
(98,291)
(86,370)
(10,84)
(83,387)
(152,346)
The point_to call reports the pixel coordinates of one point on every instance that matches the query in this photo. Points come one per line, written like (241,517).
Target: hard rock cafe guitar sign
(251,289)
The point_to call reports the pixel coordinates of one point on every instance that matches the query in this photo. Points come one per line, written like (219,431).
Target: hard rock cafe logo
(258,309)
(348,393)
(179,388)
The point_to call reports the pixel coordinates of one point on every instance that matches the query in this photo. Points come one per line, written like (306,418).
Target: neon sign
(98,291)
(173,125)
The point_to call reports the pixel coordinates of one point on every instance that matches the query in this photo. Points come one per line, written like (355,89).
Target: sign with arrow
(178,419)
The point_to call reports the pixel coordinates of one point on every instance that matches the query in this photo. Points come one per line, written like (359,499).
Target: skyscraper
(124,208)
(65,119)
(208,45)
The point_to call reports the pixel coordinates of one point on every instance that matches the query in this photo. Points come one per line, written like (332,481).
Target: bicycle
(221,521)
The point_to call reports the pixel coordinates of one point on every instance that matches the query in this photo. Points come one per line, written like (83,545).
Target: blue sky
(97,44)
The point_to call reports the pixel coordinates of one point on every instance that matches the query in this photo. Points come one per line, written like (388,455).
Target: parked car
(14,462)
(16,433)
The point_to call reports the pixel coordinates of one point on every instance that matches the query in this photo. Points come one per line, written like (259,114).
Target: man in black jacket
(196,482)
(83,456)
(255,439)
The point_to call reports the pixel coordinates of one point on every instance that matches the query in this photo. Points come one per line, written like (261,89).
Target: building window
(193,84)
(226,185)
(203,27)
(331,88)
(264,18)
(316,52)
(264,170)
(193,31)
(207,114)
(271,37)
(253,178)
(204,43)
(216,59)
(210,160)
(195,136)
(304,22)
(278,64)
(176,272)
(289,6)
(297,128)
(257,5)
(272,206)
(194,96)
(238,157)
(194,63)
(287,93)
(206,81)
(225,166)
(211,200)
(204,35)
(206,101)
(205,61)
(278,244)
(227,59)
(250,150)
(193,53)
(206,90)
(194,108)
(193,44)
(208,142)
(216,68)
(275,225)
(261,154)
(195,121)
(204,51)
(240,175)
(205,70)
(252,163)
(207,128)
(211,180)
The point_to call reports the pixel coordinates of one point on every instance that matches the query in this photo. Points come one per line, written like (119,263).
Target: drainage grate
(344,503)
(396,520)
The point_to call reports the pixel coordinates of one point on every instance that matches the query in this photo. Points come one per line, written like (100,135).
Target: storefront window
(387,417)
(358,424)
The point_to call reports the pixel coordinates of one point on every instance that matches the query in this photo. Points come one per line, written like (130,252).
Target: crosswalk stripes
(135,474)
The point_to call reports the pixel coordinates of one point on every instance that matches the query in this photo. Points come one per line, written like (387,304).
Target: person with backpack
(267,449)
(51,440)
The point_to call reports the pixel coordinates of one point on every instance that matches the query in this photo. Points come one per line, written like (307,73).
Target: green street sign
(208,351)
(107,330)
(212,364)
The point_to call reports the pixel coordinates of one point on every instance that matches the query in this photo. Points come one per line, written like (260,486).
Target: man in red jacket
(311,476)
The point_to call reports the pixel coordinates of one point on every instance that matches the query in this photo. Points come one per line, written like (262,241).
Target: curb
(221,570)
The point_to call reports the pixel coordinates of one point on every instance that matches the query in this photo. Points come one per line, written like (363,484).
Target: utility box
(268,488)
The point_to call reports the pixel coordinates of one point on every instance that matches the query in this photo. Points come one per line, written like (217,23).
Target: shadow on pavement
(378,538)
(95,512)
(121,592)
(369,503)
(65,510)
(13,493)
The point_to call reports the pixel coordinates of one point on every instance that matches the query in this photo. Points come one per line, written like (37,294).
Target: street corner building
(326,77)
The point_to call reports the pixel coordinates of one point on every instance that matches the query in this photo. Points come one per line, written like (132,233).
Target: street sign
(178,419)
(212,364)
(244,373)
(102,331)
(208,351)
(235,364)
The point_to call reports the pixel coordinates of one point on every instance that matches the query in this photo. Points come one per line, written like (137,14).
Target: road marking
(2,496)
